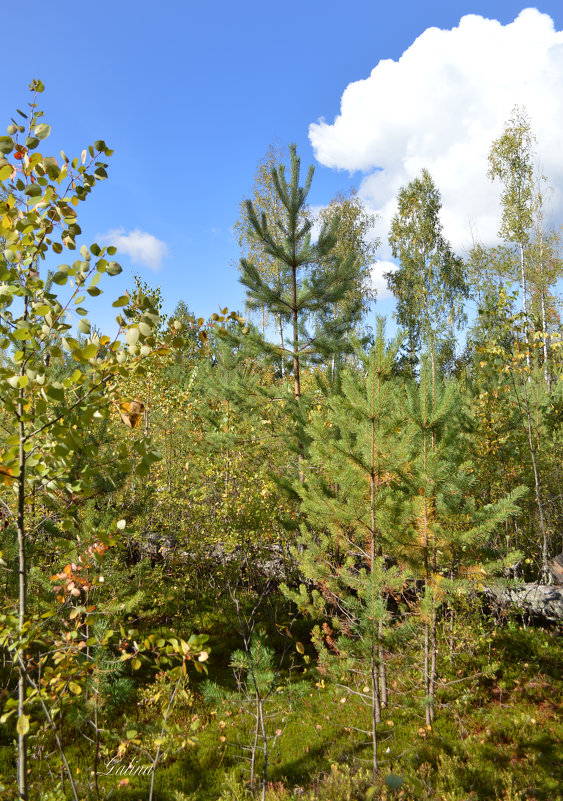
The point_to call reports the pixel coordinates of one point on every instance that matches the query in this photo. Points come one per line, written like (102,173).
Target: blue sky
(190,95)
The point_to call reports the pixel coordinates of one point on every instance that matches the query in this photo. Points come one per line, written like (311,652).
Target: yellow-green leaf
(132,336)
(90,351)
(23,725)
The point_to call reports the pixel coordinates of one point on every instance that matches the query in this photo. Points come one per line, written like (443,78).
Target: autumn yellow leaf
(131,412)
(6,475)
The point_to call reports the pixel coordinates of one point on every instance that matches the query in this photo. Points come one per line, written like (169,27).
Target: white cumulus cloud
(378,270)
(141,247)
(440,106)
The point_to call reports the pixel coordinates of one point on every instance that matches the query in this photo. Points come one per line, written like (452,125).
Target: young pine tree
(448,530)
(353,514)
(298,292)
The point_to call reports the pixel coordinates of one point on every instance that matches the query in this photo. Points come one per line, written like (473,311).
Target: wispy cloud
(141,247)
(440,106)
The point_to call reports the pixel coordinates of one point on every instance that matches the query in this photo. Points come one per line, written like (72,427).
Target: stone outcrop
(536,600)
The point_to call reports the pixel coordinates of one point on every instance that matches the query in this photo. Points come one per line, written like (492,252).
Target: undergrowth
(495,738)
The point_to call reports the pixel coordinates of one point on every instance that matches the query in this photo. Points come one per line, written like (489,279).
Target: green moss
(495,738)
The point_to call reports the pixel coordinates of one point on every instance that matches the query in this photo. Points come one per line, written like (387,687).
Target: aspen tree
(47,411)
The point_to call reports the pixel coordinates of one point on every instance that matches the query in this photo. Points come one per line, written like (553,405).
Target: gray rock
(541,600)
(556,569)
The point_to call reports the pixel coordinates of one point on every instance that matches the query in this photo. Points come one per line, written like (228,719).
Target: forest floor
(497,732)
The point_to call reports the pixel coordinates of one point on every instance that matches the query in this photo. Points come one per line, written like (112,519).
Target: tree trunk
(296,365)
(546,374)
(545,574)
(375,712)
(427,709)
(542,285)
(525,302)
(254,750)
(265,747)
(22,606)
(294,312)
(22,588)
(281,346)
(382,669)
(433,659)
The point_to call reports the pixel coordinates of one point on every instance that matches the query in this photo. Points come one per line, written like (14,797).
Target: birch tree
(511,162)
(429,285)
